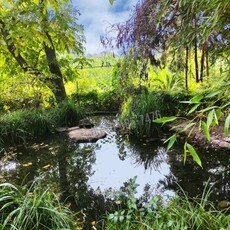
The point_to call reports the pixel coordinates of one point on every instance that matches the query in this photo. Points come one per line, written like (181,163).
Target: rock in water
(87,135)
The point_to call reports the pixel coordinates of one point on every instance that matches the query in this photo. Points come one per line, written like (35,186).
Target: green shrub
(104,101)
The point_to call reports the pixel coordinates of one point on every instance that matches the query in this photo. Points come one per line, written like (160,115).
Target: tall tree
(36,33)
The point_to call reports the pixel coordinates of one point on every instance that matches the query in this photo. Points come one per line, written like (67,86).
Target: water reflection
(79,172)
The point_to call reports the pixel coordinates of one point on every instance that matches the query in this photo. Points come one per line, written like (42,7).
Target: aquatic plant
(36,207)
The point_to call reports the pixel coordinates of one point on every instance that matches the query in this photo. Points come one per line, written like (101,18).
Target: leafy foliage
(34,35)
(179,213)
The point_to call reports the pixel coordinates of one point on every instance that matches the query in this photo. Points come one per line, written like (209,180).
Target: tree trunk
(186,68)
(202,63)
(56,79)
(196,61)
(206,59)
(58,87)
(55,83)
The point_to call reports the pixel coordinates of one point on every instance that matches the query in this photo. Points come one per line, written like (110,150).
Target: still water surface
(73,168)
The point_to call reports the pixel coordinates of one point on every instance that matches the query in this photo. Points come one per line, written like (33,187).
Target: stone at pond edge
(87,135)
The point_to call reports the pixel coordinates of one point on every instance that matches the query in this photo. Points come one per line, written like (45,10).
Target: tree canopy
(37,36)
(158,28)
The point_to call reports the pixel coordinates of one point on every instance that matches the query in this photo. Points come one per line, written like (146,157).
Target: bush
(95,101)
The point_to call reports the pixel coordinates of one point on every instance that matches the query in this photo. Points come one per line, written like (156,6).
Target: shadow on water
(81,172)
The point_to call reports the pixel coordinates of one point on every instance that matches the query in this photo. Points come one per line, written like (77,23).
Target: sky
(97,15)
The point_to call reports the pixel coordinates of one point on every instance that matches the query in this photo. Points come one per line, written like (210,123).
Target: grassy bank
(23,125)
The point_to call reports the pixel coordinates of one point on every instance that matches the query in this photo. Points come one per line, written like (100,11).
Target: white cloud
(97,15)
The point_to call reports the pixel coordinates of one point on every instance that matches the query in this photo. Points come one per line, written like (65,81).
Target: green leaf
(185,152)
(196,99)
(208,108)
(164,120)
(111,1)
(218,113)
(189,125)
(215,118)
(210,118)
(194,108)
(171,140)
(205,130)
(213,94)
(194,154)
(226,105)
(226,125)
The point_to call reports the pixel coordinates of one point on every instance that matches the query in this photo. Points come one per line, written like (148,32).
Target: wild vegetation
(174,66)
(33,207)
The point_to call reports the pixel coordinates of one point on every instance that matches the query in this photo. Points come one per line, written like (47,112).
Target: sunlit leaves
(226,125)
(189,149)
(171,140)
(164,120)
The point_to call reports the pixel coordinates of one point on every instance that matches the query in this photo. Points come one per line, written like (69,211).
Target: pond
(82,171)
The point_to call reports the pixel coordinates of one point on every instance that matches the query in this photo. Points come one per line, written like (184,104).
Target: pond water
(82,170)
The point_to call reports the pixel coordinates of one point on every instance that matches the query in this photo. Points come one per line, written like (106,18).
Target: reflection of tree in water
(193,179)
(75,168)
(150,155)
(67,167)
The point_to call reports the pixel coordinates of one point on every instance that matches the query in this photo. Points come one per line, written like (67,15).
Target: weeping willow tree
(158,30)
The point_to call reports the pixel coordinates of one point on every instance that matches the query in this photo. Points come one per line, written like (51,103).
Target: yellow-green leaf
(194,108)
(111,1)
(171,140)
(194,154)
(226,125)
(164,120)
(205,130)
(196,99)
(210,118)
(185,152)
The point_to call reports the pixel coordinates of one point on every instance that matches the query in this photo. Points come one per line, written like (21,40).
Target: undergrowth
(23,125)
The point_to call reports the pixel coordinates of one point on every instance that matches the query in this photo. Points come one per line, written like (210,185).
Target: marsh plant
(33,207)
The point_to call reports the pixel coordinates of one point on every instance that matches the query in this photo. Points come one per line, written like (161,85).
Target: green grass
(37,207)
(138,111)
(33,208)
